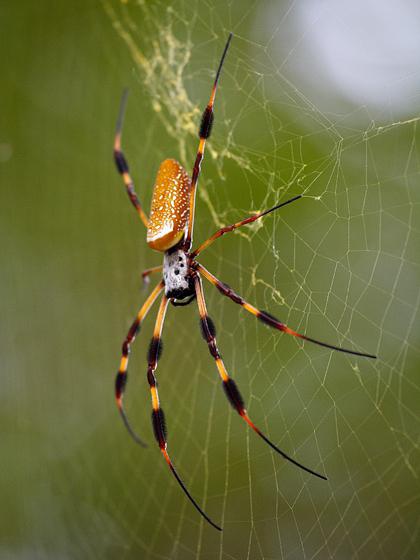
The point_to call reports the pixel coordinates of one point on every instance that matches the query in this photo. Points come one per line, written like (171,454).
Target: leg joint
(120,162)
(151,379)
(126,348)
(227,291)
(155,350)
(206,123)
(268,319)
(159,427)
(120,383)
(214,350)
(208,330)
(233,395)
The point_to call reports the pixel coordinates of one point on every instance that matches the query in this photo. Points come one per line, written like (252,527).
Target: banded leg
(121,379)
(158,417)
(146,273)
(122,164)
(266,317)
(204,134)
(232,392)
(237,225)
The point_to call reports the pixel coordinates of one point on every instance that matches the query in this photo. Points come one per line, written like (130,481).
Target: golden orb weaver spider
(169,230)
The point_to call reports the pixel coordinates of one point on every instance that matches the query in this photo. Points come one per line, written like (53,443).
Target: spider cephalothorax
(169,230)
(177,276)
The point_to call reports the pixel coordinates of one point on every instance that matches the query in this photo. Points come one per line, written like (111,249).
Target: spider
(169,230)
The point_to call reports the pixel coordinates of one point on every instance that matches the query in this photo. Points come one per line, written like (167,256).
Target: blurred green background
(342,265)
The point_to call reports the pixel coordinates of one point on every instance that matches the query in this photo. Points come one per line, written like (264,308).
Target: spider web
(341,264)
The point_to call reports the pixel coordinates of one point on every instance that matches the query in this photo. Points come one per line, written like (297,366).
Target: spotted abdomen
(170,206)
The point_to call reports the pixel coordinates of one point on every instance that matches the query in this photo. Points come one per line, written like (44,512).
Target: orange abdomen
(170,206)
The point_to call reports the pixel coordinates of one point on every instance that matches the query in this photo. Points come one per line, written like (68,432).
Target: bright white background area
(348,54)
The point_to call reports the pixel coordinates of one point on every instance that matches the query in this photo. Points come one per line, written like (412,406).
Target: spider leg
(204,133)
(232,392)
(237,225)
(267,318)
(122,164)
(158,418)
(121,379)
(146,273)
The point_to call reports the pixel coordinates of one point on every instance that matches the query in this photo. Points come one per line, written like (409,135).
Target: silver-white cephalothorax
(176,275)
